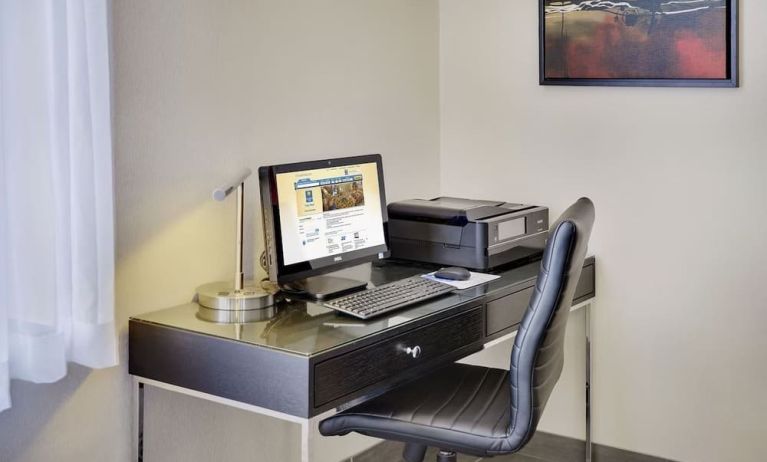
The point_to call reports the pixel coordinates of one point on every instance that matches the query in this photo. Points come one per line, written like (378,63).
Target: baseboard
(544,447)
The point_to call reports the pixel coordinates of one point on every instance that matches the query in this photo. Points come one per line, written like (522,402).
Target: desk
(307,360)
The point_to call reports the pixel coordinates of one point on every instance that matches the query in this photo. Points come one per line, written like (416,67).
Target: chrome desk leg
(138,420)
(587,315)
(308,435)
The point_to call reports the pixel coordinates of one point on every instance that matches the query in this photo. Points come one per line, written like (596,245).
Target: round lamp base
(235,317)
(222,296)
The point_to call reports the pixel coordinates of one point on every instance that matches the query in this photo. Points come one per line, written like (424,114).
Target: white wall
(202,89)
(677,176)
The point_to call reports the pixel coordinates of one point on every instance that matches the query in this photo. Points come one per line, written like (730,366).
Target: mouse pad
(475,280)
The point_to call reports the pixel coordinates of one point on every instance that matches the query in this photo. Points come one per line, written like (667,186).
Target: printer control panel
(510,227)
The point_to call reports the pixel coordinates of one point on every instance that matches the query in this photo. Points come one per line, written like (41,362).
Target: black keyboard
(389,297)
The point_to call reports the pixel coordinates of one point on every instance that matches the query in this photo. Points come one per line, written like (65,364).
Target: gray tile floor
(544,447)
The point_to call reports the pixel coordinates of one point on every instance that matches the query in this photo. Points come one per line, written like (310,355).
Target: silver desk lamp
(237,296)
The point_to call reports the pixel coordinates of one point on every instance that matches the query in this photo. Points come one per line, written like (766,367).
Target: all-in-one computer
(322,216)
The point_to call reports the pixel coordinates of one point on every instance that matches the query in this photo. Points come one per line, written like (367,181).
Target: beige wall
(202,89)
(678,178)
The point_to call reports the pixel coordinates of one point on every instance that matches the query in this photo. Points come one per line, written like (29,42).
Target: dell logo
(338,258)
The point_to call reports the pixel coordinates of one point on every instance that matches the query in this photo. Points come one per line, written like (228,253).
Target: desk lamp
(231,298)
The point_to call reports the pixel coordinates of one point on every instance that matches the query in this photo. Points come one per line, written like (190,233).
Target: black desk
(307,359)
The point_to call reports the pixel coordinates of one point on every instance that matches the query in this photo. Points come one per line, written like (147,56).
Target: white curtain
(56,196)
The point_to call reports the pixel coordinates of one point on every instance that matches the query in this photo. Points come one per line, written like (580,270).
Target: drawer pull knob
(415,351)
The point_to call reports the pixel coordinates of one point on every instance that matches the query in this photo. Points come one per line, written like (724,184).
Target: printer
(475,234)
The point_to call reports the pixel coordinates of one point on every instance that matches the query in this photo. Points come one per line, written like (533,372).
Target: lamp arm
(224,190)
(239,277)
(221,193)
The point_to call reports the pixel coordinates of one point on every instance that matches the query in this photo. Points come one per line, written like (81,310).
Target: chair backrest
(538,354)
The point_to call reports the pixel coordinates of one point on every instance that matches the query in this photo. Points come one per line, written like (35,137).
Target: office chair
(483,411)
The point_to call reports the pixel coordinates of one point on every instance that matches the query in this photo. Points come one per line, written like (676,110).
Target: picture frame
(639,43)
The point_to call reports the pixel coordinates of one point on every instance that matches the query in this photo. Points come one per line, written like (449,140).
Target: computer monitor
(321,216)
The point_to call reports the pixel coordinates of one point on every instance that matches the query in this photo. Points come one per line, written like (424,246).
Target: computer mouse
(454,273)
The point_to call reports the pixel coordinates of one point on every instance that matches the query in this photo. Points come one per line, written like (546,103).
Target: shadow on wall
(146,205)
(178,218)
(34,405)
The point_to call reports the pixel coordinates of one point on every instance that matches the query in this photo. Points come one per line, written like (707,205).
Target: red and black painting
(638,42)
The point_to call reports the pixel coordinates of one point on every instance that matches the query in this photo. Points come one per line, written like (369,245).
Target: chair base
(414,452)
(447,456)
(417,452)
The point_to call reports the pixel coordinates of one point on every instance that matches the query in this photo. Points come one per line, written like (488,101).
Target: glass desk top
(307,328)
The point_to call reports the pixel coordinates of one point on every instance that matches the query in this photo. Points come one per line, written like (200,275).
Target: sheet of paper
(475,280)
(394,320)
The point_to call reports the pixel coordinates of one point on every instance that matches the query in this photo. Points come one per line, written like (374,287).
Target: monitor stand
(323,287)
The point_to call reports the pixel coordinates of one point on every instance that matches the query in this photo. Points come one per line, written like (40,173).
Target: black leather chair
(478,410)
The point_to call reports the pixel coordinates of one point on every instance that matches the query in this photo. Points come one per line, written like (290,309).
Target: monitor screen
(327,212)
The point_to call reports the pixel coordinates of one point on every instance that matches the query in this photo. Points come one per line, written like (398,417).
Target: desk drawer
(339,376)
(585,287)
(507,311)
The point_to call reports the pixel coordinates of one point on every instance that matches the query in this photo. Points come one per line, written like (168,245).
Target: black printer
(475,234)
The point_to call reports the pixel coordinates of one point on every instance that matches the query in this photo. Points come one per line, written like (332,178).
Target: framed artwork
(662,43)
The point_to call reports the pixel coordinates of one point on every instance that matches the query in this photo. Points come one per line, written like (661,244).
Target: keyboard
(389,297)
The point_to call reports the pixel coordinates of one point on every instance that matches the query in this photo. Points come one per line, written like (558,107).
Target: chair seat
(460,407)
